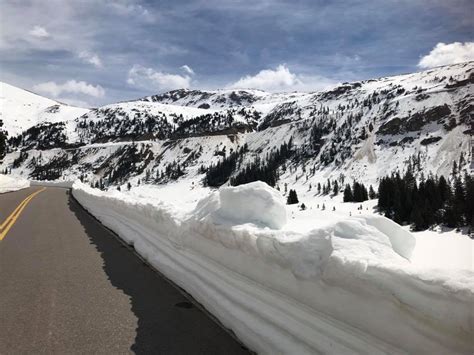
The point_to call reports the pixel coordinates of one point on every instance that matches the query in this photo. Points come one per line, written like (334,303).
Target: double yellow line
(11,219)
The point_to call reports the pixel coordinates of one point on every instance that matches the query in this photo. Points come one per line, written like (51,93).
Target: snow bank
(345,288)
(8,183)
(67,184)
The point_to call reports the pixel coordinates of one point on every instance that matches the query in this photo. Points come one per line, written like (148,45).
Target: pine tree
(469,198)
(348,197)
(372,193)
(292,198)
(417,218)
(3,142)
(459,200)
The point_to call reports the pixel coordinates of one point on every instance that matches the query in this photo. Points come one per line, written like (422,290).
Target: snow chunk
(377,231)
(255,203)
(402,241)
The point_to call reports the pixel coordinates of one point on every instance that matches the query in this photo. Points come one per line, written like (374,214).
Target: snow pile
(8,183)
(346,287)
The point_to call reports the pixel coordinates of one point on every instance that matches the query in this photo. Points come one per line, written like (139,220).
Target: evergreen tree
(3,142)
(459,200)
(292,198)
(469,199)
(348,197)
(417,219)
(372,193)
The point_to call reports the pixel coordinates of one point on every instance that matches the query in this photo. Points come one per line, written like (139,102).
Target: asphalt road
(67,285)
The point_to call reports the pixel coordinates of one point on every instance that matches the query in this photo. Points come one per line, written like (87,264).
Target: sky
(94,52)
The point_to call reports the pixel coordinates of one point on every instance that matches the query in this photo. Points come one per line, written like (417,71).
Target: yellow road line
(11,219)
(15,211)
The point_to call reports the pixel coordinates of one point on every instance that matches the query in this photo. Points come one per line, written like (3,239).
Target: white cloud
(69,87)
(281,79)
(91,58)
(451,53)
(188,69)
(39,32)
(268,79)
(149,78)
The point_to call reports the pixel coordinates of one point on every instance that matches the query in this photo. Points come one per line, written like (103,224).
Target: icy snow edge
(8,184)
(347,287)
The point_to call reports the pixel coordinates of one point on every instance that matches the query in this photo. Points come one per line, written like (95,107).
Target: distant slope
(21,109)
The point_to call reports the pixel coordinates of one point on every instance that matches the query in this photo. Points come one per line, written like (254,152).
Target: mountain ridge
(363,129)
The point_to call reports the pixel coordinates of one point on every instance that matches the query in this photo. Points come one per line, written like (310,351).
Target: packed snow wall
(8,183)
(346,288)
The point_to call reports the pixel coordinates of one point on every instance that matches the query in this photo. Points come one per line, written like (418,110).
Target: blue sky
(92,52)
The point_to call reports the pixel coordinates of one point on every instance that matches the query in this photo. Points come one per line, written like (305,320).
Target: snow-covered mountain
(362,130)
(21,109)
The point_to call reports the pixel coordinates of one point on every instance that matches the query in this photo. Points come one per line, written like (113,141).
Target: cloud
(188,69)
(130,8)
(39,32)
(269,79)
(69,87)
(149,78)
(281,79)
(451,53)
(91,58)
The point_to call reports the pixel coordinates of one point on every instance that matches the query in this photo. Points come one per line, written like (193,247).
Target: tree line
(431,201)
(3,141)
(358,192)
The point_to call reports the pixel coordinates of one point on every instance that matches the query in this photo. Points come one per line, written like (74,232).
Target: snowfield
(342,284)
(8,183)
(21,109)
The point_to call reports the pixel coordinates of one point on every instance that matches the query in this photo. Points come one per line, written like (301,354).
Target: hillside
(21,109)
(362,130)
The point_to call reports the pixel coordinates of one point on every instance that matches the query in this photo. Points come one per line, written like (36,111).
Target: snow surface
(335,284)
(21,109)
(8,183)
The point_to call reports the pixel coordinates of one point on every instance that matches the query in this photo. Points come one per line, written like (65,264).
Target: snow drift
(348,287)
(8,184)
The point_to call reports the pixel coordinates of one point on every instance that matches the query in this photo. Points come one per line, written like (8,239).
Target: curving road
(67,285)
